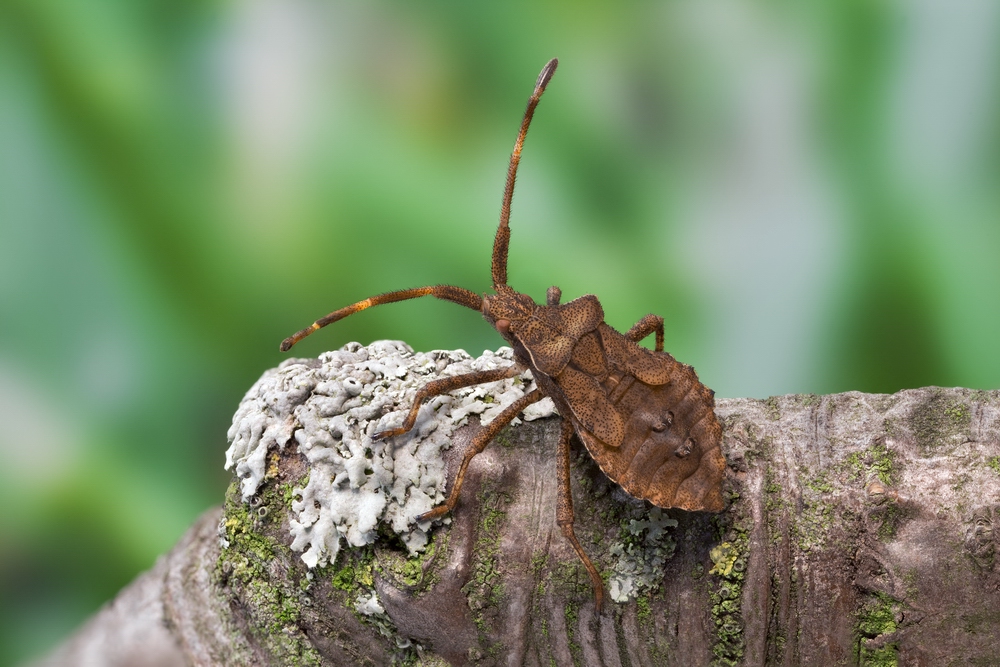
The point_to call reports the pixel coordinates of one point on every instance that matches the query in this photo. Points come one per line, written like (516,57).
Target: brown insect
(644,417)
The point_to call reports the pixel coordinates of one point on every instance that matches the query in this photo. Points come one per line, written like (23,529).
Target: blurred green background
(808,192)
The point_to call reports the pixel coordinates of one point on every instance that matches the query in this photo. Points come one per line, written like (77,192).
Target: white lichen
(641,555)
(367,604)
(331,406)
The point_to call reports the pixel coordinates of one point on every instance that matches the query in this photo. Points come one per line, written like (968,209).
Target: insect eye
(503,325)
(686,448)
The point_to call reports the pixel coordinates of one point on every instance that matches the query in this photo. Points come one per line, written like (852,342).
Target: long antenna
(502,239)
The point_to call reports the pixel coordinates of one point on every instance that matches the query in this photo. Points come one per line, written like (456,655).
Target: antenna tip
(545,75)
(286,344)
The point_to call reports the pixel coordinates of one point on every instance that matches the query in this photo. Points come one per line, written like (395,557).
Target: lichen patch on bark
(331,407)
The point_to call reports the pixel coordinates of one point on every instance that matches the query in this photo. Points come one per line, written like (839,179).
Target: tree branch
(860,529)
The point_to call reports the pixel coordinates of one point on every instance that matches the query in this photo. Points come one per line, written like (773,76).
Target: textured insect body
(644,417)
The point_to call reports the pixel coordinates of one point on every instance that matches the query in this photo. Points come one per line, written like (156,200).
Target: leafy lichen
(643,548)
(331,408)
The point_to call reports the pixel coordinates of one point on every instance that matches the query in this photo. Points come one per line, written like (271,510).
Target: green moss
(813,524)
(354,575)
(877,618)
(885,656)
(809,400)
(724,557)
(958,414)
(729,565)
(485,591)
(772,409)
(938,418)
(272,599)
(760,448)
(416,572)
(876,461)
(538,561)
(413,571)
(879,462)
(890,516)
(572,615)
(249,551)
(503,437)
(288,493)
(820,483)
(773,502)
(343,579)
(779,648)
(354,570)
(994,464)
(644,610)
(570,579)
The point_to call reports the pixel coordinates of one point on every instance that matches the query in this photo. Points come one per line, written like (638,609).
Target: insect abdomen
(669,453)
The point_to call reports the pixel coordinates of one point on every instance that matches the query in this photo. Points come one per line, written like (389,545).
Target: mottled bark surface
(859,530)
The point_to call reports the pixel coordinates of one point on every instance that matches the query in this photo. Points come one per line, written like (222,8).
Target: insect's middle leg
(646,326)
(564,511)
(443,386)
(478,444)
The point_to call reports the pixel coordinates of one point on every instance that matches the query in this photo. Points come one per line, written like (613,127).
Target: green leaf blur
(808,193)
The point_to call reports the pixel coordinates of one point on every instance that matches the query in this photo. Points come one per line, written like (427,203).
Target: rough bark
(859,531)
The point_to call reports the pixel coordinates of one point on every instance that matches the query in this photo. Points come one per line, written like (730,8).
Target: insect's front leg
(646,326)
(564,511)
(478,444)
(443,386)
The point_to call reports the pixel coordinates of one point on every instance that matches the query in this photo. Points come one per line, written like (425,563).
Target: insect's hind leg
(646,326)
(564,512)
(478,444)
(443,386)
